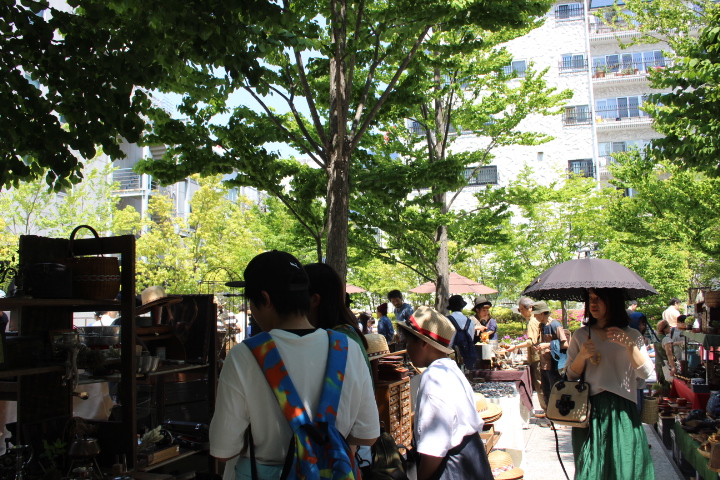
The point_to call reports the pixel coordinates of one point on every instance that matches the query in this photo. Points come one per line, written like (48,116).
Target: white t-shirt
(244,394)
(614,372)
(671,314)
(445,411)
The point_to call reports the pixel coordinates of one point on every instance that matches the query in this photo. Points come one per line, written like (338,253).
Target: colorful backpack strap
(267,355)
(334,377)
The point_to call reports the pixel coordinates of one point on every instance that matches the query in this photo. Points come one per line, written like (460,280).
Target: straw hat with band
(431,327)
(502,466)
(377,345)
(489,412)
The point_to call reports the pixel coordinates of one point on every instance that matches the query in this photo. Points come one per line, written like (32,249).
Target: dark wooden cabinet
(394,409)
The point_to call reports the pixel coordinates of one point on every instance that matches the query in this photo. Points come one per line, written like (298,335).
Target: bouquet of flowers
(505,341)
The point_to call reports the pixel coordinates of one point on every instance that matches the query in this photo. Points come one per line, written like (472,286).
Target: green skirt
(614,446)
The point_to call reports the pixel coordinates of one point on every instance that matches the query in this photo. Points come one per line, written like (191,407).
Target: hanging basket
(650,410)
(93,278)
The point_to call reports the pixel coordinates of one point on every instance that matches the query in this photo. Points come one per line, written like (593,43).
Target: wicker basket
(650,411)
(712,299)
(93,278)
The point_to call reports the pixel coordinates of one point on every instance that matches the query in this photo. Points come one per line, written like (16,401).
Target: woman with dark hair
(611,355)
(327,305)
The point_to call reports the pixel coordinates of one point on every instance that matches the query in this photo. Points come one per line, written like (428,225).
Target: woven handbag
(93,278)
(569,402)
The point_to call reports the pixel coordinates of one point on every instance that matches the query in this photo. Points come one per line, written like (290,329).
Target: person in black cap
(276,286)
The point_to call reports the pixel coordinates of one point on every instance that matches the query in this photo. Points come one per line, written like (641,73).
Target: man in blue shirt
(385,326)
(403,311)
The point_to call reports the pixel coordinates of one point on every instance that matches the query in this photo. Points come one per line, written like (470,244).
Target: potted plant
(627,71)
(600,71)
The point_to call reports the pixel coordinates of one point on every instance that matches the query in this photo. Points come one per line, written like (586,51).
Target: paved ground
(541,462)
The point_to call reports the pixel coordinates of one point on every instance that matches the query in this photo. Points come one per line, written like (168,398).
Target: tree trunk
(338,210)
(338,189)
(442,267)
(564,314)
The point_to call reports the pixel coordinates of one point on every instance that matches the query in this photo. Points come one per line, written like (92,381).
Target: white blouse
(614,373)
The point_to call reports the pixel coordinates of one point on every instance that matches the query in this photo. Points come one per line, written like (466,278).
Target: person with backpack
(446,425)
(464,338)
(293,399)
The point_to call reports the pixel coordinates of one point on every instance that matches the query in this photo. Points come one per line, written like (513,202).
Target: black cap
(456,303)
(273,271)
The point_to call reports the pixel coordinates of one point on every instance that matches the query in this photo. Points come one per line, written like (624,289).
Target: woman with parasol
(611,356)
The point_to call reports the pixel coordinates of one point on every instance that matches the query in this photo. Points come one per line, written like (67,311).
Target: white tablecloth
(514,419)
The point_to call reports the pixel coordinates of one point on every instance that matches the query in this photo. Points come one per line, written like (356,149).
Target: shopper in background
(525,308)
(672,313)
(549,330)
(446,426)
(403,310)
(611,356)
(384,325)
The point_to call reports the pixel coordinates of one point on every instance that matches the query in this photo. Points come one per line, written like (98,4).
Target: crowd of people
(297,305)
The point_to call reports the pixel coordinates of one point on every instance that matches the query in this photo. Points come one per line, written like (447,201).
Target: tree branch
(299,119)
(311,102)
(368,83)
(287,132)
(381,101)
(351,69)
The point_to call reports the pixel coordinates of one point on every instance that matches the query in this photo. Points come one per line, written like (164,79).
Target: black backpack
(465,343)
(387,461)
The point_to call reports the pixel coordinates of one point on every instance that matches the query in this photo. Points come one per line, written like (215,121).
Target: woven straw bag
(649,413)
(93,278)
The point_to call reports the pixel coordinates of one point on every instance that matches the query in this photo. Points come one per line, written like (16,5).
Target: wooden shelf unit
(394,409)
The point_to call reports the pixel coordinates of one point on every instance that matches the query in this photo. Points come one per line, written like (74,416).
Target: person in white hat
(447,424)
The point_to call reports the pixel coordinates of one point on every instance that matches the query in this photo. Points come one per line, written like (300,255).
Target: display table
(515,417)
(681,389)
(521,377)
(704,339)
(689,449)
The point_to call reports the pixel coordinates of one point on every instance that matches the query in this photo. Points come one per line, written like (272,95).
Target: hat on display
(456,303)
(489,412)
(481,301)
(540,307)
(502,466)
(431,327)
(377,345)
(273,271)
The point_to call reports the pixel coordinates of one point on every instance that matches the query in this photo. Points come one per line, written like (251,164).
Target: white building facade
(582,53)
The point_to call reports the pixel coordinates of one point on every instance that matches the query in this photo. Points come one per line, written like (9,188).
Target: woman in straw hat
(446,422)
(612,356)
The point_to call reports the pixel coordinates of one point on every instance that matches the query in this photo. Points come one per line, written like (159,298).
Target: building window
(569,11)
(573,62)
(516,67)
(583,167)
(620,107)
(486,175)
(576,115)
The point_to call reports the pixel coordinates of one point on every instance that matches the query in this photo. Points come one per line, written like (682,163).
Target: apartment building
(580,44)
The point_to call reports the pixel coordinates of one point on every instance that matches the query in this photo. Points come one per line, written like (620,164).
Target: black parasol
(569,280)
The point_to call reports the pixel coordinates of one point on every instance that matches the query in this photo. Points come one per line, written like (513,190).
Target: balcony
(131,183)
(621,118)
(627,72)
(603,170)
(604,33)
